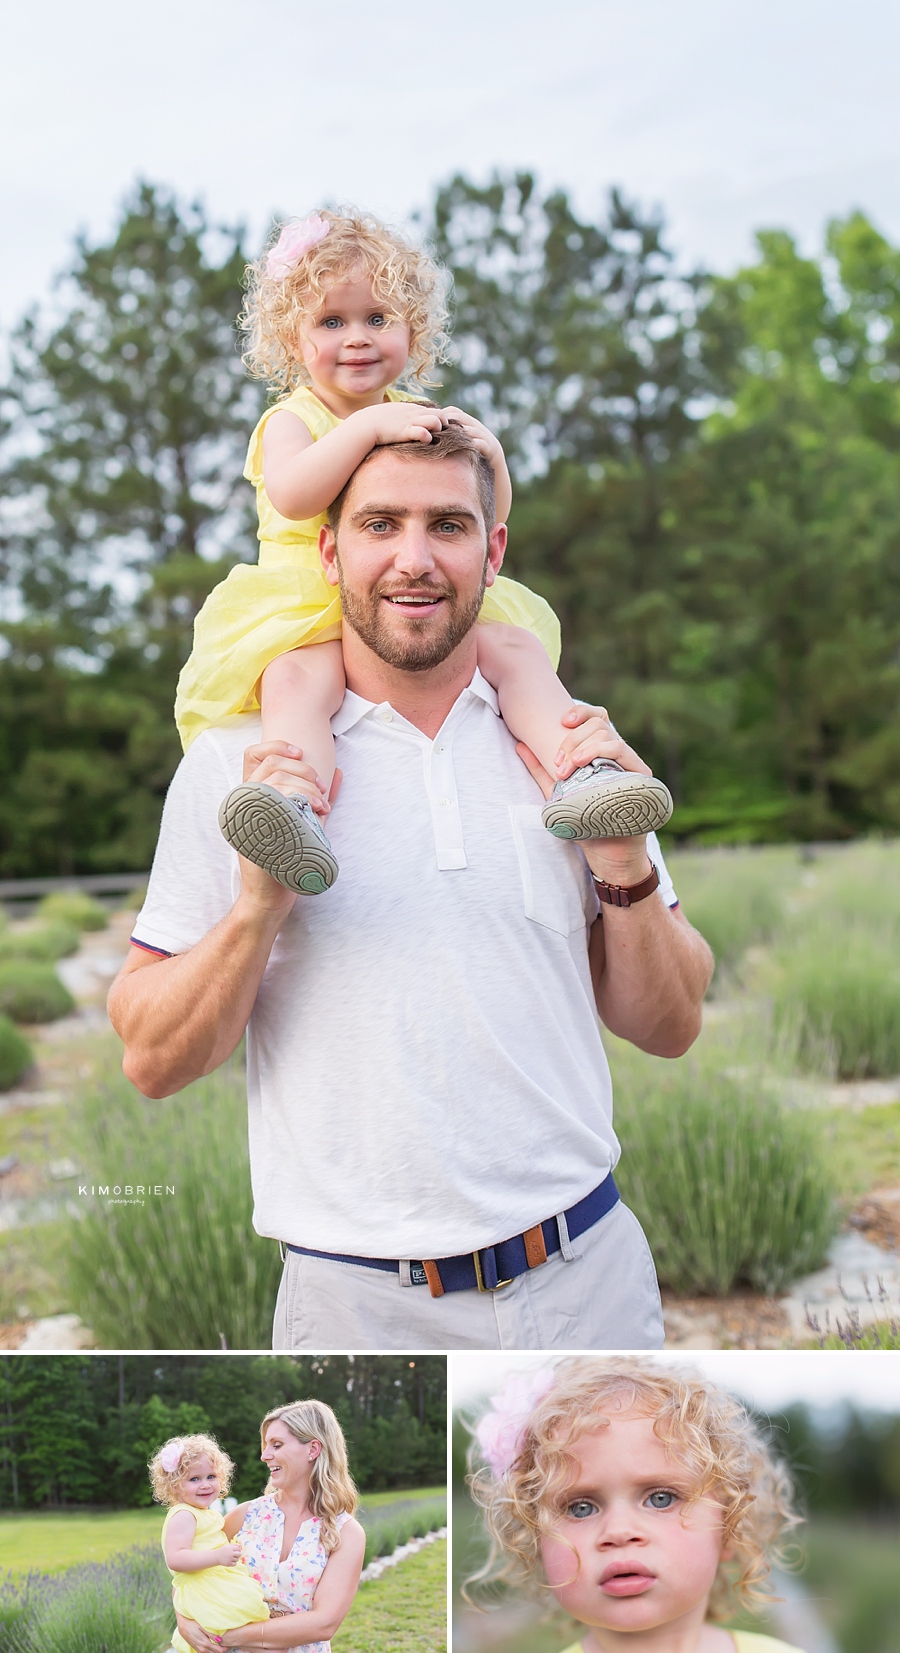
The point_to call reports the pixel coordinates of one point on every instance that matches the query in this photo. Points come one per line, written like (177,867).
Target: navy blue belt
(495,1265)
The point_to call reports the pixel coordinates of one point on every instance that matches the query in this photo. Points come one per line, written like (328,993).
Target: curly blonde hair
(165,1482)
(706,1428)
(405,280)
(331,1489)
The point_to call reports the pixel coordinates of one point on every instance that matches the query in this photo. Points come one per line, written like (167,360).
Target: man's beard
(423,644)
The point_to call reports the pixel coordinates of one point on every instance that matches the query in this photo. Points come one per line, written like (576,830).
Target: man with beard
(430,1103)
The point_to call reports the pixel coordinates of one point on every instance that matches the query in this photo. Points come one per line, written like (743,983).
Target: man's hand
(649,967)
(617,860)
(593,736)
(277,764)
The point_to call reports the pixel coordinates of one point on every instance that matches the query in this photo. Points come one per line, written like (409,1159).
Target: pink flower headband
(170,1456)
(501,1432)
(294,241)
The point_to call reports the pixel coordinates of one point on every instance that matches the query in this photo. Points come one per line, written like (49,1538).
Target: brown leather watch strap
(618,895)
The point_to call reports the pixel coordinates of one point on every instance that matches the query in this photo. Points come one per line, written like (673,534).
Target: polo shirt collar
(353,708)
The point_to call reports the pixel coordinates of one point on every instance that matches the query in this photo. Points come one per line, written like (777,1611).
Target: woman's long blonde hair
(331,1488)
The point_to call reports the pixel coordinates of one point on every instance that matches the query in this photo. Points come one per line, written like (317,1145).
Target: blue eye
(332,322)
(581,1509)
(662,1500)
(378,320)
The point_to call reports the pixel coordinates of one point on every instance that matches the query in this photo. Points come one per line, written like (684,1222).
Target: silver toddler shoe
(281,835)
(603,800)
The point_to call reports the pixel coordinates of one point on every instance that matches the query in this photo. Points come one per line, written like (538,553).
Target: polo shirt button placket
(445,816)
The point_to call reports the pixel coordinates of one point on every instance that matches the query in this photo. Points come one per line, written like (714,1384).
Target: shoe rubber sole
(626,806)
(264,827)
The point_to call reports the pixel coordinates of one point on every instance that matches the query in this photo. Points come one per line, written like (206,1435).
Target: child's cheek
(560,1563)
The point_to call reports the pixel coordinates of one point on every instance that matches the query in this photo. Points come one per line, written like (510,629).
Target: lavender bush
(118,1606)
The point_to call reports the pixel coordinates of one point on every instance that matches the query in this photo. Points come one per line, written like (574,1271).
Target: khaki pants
(600,1292)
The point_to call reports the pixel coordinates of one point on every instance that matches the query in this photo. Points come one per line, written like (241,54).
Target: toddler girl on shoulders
(345,319)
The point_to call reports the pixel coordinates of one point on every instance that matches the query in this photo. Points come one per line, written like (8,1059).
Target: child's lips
(619,1581)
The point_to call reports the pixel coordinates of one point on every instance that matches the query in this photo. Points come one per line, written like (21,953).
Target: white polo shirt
(424,1063)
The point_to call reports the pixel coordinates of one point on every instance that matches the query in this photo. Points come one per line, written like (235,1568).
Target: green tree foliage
(126,419)
(81,1429)
(845,1460)
(708,492)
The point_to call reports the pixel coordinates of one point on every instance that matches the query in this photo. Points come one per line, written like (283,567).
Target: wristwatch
(619,895)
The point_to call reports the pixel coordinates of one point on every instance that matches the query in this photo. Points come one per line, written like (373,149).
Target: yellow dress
(219,1598)
(746,1641)
(284,601)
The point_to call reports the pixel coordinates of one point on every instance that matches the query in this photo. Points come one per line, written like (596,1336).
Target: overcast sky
(771,1380)
(728,115)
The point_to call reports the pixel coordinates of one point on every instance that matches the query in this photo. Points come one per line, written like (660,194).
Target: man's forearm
(650,970)
(179,1018)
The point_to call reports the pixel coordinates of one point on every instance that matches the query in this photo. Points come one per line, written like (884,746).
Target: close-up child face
(353,346)
(200,1484)
(641,1559)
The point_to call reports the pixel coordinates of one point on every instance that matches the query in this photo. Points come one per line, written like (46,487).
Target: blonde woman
(300,1540)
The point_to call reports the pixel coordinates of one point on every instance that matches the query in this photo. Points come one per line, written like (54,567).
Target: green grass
(183,1271)
(52,1540)
(404,1611)
(377,1500)
(863,1147)
(729,1184)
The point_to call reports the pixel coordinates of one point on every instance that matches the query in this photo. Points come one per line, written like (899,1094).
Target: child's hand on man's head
(391,422)
(484,440)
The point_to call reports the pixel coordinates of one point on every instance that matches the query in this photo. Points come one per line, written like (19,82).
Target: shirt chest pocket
(552,872)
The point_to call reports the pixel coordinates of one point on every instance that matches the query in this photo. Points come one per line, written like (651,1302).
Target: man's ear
(328,554)
(495,553)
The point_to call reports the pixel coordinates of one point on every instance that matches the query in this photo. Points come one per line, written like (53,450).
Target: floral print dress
(290,1583)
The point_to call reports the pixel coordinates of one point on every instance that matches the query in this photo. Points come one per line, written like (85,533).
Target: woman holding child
(298,1544)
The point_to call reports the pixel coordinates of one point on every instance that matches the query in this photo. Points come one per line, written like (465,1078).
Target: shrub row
(384,1535)
(120,1606)
(830,925)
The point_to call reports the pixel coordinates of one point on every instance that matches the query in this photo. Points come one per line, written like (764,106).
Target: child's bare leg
(299,695)
(532,699)
(595,796)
